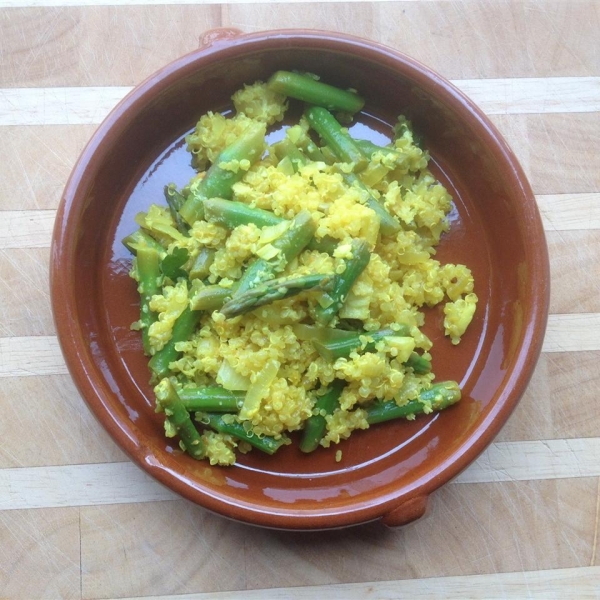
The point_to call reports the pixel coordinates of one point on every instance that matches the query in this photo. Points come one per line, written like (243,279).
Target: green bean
(437,397)
(182,329)
(219,179)
(236,429)
(149,285)
(315,426)
(336,137)
(275,289)
(343,282)
(306,88)
(168,401)
(211,399)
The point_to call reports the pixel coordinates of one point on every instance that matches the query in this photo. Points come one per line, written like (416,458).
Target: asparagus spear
(175,201)
(314,427)
(265,443)
(418,364)
(387,224)
(344,281)
(337,346)
(168,401)
(149,280)
(230,214)
(218,181)
(201,267)
(289,245)
(182,329)
(287,148)
(336,137)
(211,297)
(304,87)
(368,148)
(211,399)
(140,239)
(437,397)
(275,289)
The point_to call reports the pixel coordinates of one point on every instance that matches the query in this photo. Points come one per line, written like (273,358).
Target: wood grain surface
(79,521)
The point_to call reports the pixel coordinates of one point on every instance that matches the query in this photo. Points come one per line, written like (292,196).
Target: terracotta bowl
(387,472)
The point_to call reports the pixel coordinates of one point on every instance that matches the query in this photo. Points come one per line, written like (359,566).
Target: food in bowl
(282,291)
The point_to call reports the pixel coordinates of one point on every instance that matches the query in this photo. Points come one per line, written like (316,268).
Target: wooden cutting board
(78,520)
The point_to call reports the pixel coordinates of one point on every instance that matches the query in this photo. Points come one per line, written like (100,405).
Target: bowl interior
(135,158)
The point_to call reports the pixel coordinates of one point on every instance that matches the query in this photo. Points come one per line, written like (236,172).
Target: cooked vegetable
(330,347)
(182,330)
(178,421)
(309,89)
(336,137)
(265,443)
(230,166)
(211,399)
(233,214)
(140,239)
(286,247)
(275,289)
(149,284)
(438,397)
(175,201)
(316,425)
(344,281)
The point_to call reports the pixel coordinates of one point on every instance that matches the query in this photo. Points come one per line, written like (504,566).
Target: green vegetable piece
(201,266)
(273,290)
(287,149)
(182,329)
(315,426)
(289,244)
(337,346)
(171,264)
(168,401)
(140,239)
(418,364)
(387,224)
(343,282)
(211,399)
(438,397)
(236,429)
(336,137)
(230,214)
(308,89)
(211,297)
(175,201)
(221,176)
(149,285)
(368,148)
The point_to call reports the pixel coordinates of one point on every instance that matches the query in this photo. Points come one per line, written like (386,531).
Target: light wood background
(78,520)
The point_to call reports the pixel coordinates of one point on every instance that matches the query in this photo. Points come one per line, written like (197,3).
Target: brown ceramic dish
(389,471)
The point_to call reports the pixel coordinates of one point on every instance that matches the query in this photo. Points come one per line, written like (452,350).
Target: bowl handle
(220,34)
(405,513)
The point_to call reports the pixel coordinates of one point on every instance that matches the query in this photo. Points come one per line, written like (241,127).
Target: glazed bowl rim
(97,393)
